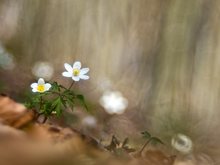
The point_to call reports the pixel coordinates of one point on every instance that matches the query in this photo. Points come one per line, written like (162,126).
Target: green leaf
(82,101)
(146,135)
(63,102)
(56,106)
(69,98)
(28,105)
(69,93)
(70,103)
(155,141)
(47,107)
(55,86)
(58,109)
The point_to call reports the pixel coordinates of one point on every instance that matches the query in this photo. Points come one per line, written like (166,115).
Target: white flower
(40,86)
(76,72)
(182,143)
(113,102)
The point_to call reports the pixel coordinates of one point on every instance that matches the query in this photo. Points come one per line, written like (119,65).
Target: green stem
(41,102)
(71,85)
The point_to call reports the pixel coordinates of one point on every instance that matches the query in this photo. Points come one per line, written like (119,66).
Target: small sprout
(40,86)
(75,71)
(119,148)
(150,139)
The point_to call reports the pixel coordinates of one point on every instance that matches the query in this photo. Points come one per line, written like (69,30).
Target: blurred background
(156,62)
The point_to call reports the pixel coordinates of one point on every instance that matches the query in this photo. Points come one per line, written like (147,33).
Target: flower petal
(34,90)
(84,71)
(68,67)
(47,86)
(34,85)
(77,65)
(67,74)
(41,81)
(75,78)
(84,77)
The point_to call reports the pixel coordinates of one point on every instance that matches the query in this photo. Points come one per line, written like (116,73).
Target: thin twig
(145,145)
(45,119)
(138,154)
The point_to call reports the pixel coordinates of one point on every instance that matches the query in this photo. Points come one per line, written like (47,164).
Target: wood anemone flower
(40,86)
(75,71)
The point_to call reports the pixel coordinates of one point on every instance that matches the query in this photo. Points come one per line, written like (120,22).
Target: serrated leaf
(63,102)
(56,106)
(69,93)
(58,110)
(82,101)
(146,135)
(155,141)
(55,86)
(70,103)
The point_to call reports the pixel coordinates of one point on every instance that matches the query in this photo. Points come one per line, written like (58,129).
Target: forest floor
(23,140)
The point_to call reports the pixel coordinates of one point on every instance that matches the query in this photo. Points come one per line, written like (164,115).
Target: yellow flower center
(76,72)
(40,88)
